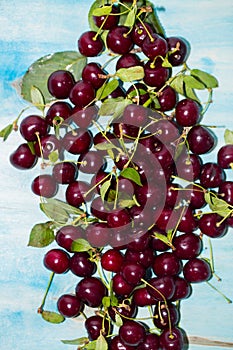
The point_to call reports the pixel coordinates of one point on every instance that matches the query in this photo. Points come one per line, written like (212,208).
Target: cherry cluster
(124,148)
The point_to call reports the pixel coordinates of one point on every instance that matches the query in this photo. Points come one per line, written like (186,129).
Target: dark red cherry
(187,112)
(33,126)
(144,257)
(165,130)
(89,44)
(187,246)
(100,208)
(127,310)
(154,46)
(47,145)
(120,286)
(226,191)
(57,260)
(132,272)
(197,270)
(119,40)
(161,287)
(140,32)
(91,162)
(165,315)
(94,74)
(96,325)
(67,234)
(132,333)
(108,21)
(171,339)
(77,141)
(179,50)
(118,218)
(167,98)
(142,297)
(65,172)
(91,291)
(44,185)
(138,93)
(183,289)
(195,196)
(82,94)
(167,264)
(76,193)
(69,305)
(60,83)
(210,225)
(98,234)
(23,158)
(225,156)
(155,74)
(58,110)
(84,117)
(201,140)
(128,60)
(189,166)
(135,115)
(81,265)
(112,260)
(151,342)
(212,175)
(118,344)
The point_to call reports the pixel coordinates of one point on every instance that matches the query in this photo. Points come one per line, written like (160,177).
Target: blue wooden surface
(28,31)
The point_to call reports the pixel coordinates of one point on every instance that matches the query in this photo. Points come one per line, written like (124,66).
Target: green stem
(41,308)
(217,290)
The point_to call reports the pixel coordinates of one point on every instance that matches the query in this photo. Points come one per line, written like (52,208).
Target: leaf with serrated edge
(131,174)
(228,137)
(130,74)
(41,235)
(207,79)
(79,341)
(80,245)
(54,212)
(52,317)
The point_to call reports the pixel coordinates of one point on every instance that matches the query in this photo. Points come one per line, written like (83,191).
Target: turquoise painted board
(30,30)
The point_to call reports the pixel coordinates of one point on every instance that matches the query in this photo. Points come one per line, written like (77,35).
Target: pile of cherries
(139,181)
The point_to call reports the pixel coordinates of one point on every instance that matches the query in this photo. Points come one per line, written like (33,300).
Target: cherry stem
(41,308)
(217,290)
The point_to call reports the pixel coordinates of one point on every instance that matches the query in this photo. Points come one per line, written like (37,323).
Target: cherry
(187,112)
(179,50)
(126,310)
(60,110)
(44,185)
(226,191)
(119,40)
(187,246)
(165,315)
(47,145)
(189,166)
(188,221)
(128,60)
(171,339)
(183,289)
(157,243)
(118,92)
(151,342)
(67,234)
(166,264)
(65,172)
(200,139)
(167,98)
(167,219)
(60,83)
(81,265)
(82,94)
(69,305)
(155,74)
(138,93)
(135,115)
(77,141)
(139,242)
(209,224)
(128,131)
(96,325)
(120,286)
(144,257)
(141,297)
(100,208)
(212,175)
(225,156)
(112,260)
(57,260)
(91,291)
(23,158)
(161,287)
(132,333)
(93,73)
(118,344)
(98,234)
(197,270)
(89,44)
(75,193)
(132,272)
(195,196)
(154,46)
(165,130)
(118,218)
(33,125)
(90,162)
(140,32)
(108,21)
(173,196)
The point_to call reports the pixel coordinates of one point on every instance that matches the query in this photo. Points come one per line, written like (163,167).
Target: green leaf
(131,174)
(41,235)
(31,146)
(5,132)
(106,89)
(54,156)
(119,321)
(105,146)
(166,62)
(178,84)
(155,101)
(80,245)
(38,73)
(52,317)
(102,11)
(95,5)
(114,107)
(106,301)
(130,18)
(104,189)
(130,74)
(79,341)
(37,98)
(218,205)
(228,137)
(101,343)
(207,79)
(190,93)
(193,83)
(114,300)
(153,19)
(163,238)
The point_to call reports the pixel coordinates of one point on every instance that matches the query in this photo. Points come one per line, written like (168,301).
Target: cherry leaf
(193,83)
(78,341)
(207,79)
(80,245)
(101,343)
(114,107)
(106,301)
(104,189)
(106,89)
(52,317)
(190,93)
(130,74)
(41,235)
(178,84)
(228,137)
(119,321)
(37,98)
(131,174)
(163,238)
(5,132)
(218,205)
(130,18)
(54,156)
(102,11)
(95,5)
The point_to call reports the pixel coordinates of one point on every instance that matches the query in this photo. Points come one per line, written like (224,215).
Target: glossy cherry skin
(189,166)
(128,60)
(45,186)
(179,50)
(162,314)
(187,112)
(77,141)
(156,47)
(132,333)
(33,125)
(120,286)
(112,260)
(144,257)
(135,115)
(140,32)
(22,158)
(183,289)
(91,291)
(155,74)
(60,83)
(75,193)
(118,218)
(201,140)
(212,175)
(197,270)
(188,221)
(98,234)
(84,117)
(168,99)
(161,287)
(165,130)
(81,265)
(209,225)
(132,272)
(225,156)
(67,234)
(82,94)
(166,264)
(187,246)
(57,260)
(126,310)
(96,325)
(195,196)
(118,344)
(65,172)
(91,73)
(119,40)
(91,162)
(60,110)
(142,297)
(69,305)
(47,144)
(89,45)
(176,342)
(108,21)
(138,93)
(151,342)
(226,191)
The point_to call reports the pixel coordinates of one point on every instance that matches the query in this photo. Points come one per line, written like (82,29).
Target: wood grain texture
(30,30)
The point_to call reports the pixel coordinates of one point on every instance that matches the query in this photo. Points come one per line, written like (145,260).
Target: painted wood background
(29,30)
